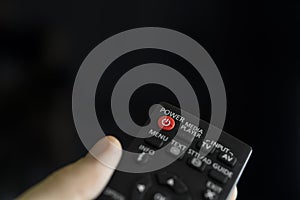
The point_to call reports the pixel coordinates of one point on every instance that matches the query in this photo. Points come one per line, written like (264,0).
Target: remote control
(178,161)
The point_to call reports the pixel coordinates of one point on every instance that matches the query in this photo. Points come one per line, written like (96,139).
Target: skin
(84,179)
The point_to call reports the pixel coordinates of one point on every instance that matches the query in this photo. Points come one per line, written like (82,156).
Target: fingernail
(108,151)
(114,141)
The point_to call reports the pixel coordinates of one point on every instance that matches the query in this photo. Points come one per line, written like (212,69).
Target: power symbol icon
(166,123)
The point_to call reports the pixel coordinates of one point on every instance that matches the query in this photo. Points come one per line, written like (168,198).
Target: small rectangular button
(214,187)
(155,142)
(227,159)
(142,158)
(196,163)
(218,176)
(176,152)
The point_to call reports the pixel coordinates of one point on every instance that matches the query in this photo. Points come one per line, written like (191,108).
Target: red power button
(166,123)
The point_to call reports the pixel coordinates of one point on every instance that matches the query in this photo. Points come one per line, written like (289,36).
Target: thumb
(84,179)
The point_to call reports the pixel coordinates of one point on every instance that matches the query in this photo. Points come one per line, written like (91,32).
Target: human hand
(84,179)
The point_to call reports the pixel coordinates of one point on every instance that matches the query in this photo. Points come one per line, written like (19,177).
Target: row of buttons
(143,185)
(199,165)
(167,123)
(225,158)
(193,162)
(196,163)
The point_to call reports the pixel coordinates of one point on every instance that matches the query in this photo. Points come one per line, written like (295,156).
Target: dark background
(255,46)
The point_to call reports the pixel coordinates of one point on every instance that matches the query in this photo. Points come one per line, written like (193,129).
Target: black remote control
(179,161)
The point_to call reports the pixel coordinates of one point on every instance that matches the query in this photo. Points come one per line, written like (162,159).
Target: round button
(166,123)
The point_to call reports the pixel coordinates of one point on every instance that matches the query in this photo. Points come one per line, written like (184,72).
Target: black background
(255,46)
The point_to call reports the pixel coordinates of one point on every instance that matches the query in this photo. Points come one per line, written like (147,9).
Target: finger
(84,179)
(233,194)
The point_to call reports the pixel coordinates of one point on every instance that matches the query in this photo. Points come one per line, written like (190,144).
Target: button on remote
(173,182)
(227,159)
(159,196)
(166,123)
(155,142)
(218,176)
(142,158)
(196,163)
(176,152)
(141,187)
(214,187)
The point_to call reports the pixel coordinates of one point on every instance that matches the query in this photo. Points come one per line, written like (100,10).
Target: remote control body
(204,168)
